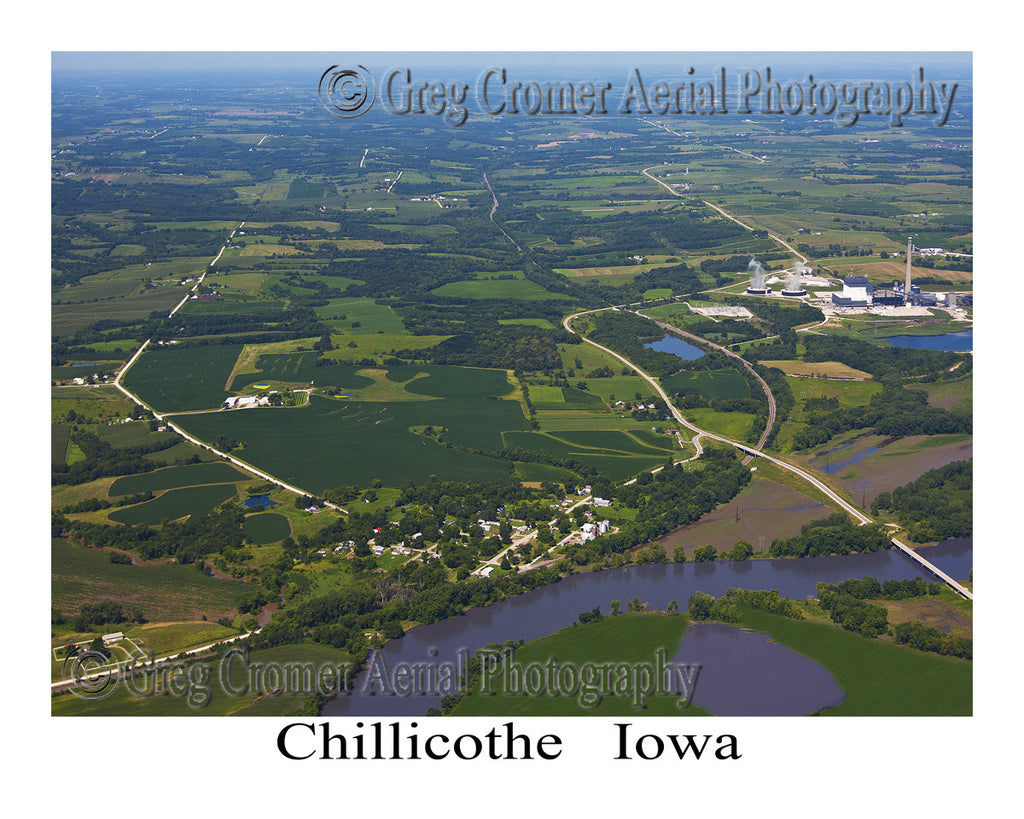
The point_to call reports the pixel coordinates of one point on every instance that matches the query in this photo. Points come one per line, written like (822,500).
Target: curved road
(764,384)
(567,324)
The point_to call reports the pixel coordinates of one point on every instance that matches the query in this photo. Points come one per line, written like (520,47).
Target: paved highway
(851,510)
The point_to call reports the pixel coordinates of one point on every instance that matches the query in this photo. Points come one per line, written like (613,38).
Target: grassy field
(532,322)
(163,638)
(626,638)
(617,388)
(559,420)
(298,369)
(374,345)
(91,404)
(733,425)
(762,511)
(361,316)
(847,393)
(958,396)
(830,369)
(165,591)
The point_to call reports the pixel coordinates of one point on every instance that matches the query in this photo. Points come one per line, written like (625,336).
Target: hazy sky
(148,60)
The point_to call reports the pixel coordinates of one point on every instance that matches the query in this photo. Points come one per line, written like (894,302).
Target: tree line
(832,535)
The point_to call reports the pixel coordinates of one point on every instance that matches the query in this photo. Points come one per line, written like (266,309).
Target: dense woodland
(936,506)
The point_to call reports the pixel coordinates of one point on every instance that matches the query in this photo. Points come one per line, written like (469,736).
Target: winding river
(550,608)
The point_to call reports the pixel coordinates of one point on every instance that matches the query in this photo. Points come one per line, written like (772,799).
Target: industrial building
(857,292)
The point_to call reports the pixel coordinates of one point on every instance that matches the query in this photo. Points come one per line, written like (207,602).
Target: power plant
(757,285)
(859,292)
(794,288)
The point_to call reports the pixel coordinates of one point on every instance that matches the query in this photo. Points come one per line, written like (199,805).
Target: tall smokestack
(910,249)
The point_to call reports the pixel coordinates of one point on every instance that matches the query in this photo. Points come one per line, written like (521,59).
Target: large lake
(550,608)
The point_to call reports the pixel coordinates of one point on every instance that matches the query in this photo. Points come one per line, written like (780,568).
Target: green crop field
(538,473)
(333,442)
(625,638)
(582,399)
(164,591)
(185,378)
(879,678)
(175,476)
(444,381)
(175,503)
(623,442)
(60,434)
(711,384)
(266,527)
(614,453)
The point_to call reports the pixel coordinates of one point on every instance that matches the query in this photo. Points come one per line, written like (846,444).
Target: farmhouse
(242,401)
